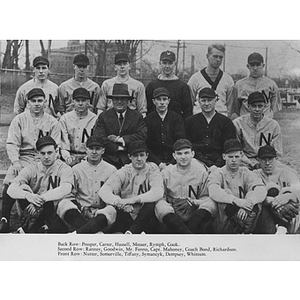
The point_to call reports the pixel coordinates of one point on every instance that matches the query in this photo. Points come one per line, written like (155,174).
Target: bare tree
(45,52)
(11,55)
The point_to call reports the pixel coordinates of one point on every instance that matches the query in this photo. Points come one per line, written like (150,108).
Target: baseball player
(238,191)
(180,99)
(40,80)
(256,81)
(83,209)
(76,127)
(65,90)
(42,185)
(136,88)
(213,77)
(208,130)
(185,207)
(132,191)
(23,133)
(283,188)
(164,127)
(256,129)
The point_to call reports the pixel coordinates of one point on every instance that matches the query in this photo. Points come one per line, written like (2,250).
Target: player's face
(48,155)
(256,110)
(94,154)
(256,69)
(138,160)
(233,160)
(267,164)
(41,72)
(81,71)
(120,103)
(215,58)
(122,68)
(161,103)
(184,157)
(36,105)
(167,67)
(208,104)
(81,104)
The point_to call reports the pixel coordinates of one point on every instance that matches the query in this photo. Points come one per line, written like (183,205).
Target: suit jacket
(133,129)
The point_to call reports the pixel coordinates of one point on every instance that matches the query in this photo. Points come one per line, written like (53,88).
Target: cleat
(281,230)
(4,226)
(128,232)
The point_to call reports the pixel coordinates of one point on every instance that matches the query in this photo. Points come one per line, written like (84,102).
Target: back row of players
(125,138)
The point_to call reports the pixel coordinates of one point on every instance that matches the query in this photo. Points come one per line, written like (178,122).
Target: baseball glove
(29,217)
(183,207)
(288,211)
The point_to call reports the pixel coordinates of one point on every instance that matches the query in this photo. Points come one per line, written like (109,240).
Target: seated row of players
(184,198)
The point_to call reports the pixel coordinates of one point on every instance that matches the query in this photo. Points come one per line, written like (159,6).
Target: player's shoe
(4,226)
(20,230)
(128,232)
(281,230)
(44,229)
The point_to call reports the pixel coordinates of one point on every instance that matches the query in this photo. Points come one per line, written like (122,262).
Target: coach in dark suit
(119,126)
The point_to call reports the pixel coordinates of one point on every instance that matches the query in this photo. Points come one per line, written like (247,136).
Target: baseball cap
(94,141)
(120,90)
(232,145)
(35,92)
(256,97)
(266,151)
(136,147)
(255,58)
(81,93)
(40,60)
(81,59)
(160,91)
(45,141)
(207,93)
(167,55)
(181,144)
(122,56)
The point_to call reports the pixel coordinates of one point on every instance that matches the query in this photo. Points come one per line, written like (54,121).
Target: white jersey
(197,82)
(65,93)
(253,136)
(76,130)
(135,88)
(51,92)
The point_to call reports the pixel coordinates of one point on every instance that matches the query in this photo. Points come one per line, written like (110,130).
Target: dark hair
(219,47)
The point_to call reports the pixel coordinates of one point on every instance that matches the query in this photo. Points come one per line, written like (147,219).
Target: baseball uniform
(197,82)
(179,186)
(88,179)
(223,187)
(23,133)
(287,179)
(244,87)
(65,92)
(179,93)
(75,131)
(51,92)
(252,136)
(135,89)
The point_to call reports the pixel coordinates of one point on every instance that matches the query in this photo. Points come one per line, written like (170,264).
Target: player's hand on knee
(242,214)
(31,209)
(244,203)
(35,199)
(16,167)
(128,208)
(282,199)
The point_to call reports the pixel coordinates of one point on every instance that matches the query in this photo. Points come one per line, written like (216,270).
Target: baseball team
(201,157)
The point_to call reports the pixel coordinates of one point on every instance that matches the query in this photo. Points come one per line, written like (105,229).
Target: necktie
(121,118)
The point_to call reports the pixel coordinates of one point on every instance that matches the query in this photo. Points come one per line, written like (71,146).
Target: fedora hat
(120,90)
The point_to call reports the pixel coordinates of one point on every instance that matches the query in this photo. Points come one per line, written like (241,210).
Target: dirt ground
(288,118)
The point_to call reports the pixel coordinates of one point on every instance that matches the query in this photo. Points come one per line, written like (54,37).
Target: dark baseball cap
(94,141)
(167,55)
(81,93)
(121,57)
(232,145)
(182,144)
(41,60)
(81,60)
(266,151)
(160,91)
(207,93)
(255,58)
(136,147)
(35,92)
(45,141)
(256,97)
